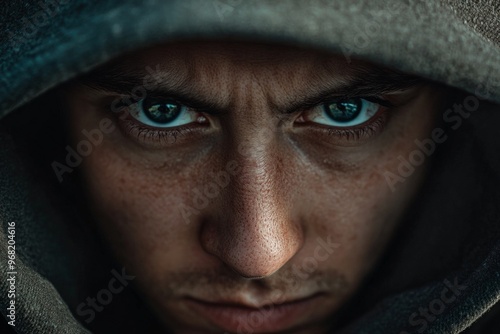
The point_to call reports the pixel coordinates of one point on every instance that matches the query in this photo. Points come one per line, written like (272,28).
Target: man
(245,186)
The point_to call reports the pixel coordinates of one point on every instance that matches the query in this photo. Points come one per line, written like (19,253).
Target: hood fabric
(450,235)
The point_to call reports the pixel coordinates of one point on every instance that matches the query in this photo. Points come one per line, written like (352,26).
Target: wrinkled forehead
(223,73)
(202,62)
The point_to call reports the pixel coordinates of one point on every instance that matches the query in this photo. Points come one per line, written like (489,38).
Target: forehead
(241,55)
(226,75)
(229,65)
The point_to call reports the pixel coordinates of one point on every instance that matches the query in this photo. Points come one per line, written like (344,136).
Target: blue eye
(161,113)
(345,113)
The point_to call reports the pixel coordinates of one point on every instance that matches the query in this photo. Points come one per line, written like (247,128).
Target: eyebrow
(363,82)
(121,80)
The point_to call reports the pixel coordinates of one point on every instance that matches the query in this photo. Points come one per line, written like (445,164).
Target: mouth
(237,317)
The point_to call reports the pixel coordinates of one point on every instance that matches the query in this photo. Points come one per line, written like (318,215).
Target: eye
(345,112)
(161,113)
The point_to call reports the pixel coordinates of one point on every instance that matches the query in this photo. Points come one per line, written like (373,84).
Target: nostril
(249,269)
(249,252)
(245,276)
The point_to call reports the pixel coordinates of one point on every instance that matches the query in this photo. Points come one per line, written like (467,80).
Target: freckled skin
(292,186)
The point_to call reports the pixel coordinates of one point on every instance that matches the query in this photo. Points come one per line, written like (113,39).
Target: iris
(345,110)
(161,112)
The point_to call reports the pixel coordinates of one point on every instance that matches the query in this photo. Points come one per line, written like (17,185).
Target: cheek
(360,214)
(137,211)
(358,207)
(134,200)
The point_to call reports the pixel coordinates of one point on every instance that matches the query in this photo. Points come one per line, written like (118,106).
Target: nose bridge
(255,233)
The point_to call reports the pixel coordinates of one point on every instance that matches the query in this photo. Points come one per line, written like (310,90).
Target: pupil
(161,111)
(344,111)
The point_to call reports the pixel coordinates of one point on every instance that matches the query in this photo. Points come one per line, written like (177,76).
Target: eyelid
(337,98)
(352,135)
(195,106)
(380,94)
(376,99)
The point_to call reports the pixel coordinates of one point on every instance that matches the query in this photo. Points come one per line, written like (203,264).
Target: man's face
(244,185)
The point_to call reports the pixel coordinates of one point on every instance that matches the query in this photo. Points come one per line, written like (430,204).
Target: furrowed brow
(363,82)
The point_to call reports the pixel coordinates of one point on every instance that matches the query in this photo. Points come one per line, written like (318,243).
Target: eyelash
(363,131)
(169,136)
(157,137)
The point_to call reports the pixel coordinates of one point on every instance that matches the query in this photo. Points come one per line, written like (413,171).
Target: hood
(57,261)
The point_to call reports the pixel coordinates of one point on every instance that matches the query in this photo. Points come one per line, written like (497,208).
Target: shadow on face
(248,186)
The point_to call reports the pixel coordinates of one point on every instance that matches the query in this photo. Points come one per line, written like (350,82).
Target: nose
(254,233)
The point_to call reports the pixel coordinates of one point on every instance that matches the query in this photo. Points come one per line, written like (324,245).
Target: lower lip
(269,318)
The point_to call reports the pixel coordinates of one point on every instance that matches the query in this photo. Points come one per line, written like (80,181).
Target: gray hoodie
(57,261)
